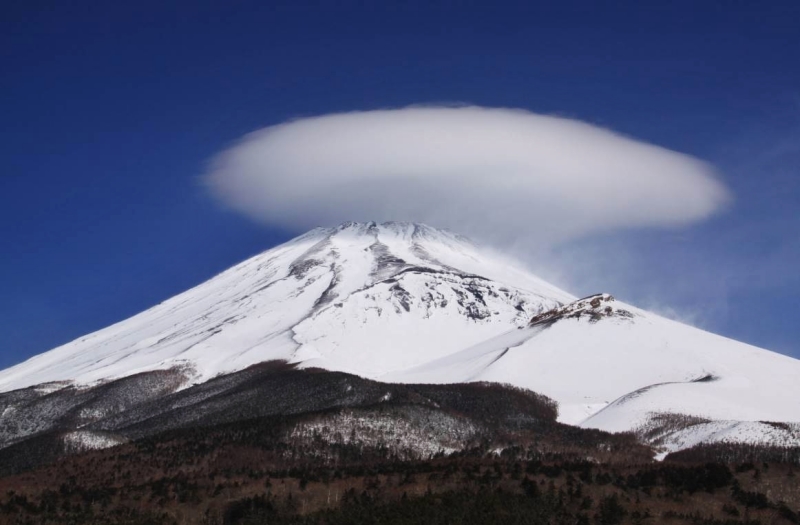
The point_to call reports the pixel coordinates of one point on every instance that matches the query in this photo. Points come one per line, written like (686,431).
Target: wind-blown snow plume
(476,170)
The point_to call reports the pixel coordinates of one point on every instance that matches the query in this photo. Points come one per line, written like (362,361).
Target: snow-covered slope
(408,303)
(362,298)
(618,364)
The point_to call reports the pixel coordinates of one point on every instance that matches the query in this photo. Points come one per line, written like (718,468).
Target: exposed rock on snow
(594,308)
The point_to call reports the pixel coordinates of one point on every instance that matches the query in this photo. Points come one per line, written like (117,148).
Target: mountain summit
(362,297)
(407,303)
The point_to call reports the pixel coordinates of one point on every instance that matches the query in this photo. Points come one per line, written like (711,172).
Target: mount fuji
(404,303)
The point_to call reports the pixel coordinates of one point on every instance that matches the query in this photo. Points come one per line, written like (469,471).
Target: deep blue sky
(110,109)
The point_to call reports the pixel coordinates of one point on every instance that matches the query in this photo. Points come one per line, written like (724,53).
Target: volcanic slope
(401,302)
(617,368)
(362,298)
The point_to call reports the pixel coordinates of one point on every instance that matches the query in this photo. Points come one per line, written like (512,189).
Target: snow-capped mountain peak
(407,291)
(408,303)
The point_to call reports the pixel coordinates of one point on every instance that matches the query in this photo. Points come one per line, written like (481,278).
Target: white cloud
(497,174)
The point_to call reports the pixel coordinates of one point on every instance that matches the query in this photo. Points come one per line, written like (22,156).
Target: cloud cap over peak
(496,173)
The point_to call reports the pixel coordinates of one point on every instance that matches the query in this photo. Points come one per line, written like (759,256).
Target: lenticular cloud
(492,173)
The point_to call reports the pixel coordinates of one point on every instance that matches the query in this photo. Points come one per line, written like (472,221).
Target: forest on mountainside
(245,473)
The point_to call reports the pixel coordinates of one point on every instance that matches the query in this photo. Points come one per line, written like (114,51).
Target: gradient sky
(110,112)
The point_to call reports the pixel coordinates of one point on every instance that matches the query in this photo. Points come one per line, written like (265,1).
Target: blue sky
(111,111)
